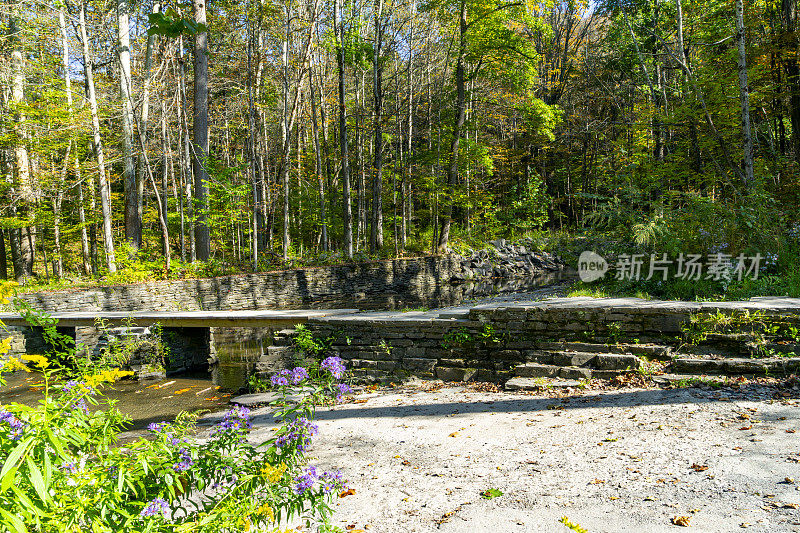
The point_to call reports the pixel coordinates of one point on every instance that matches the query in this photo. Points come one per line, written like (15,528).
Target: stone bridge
(514,342)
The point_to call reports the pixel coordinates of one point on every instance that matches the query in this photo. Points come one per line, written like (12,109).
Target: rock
(533,384)
(454,373)
(261,398)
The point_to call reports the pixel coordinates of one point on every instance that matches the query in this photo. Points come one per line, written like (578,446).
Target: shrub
(65,469)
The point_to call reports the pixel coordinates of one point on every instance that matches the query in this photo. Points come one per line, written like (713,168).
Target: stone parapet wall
(374,285)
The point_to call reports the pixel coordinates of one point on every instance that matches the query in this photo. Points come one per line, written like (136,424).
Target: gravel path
(624,460)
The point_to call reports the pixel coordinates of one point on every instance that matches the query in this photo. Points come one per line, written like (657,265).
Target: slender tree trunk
(185,149)
(105,189)
(318,166)
(347,216)
(251,138)
(133,223)
(3,260)
(285,133)
(452,172)
(22,181)
(200,127)
(144,117)
(744,94)
(406,180)
(376,222)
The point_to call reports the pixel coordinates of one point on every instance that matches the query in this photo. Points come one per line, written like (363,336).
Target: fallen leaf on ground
(682,521)
(488,494)
(699,468)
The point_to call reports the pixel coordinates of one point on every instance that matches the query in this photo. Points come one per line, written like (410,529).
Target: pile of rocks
(502,259)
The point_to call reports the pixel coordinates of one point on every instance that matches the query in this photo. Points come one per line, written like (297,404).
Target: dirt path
(626,460)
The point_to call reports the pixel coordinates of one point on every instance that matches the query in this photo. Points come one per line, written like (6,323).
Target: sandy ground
(624,460)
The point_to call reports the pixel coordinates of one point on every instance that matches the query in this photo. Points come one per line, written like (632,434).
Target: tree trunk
(744,94)
(347,216)
(318,166)
(376,220)
(3,260)
(105,189)
(133,223)
(144,118)
(22,182)
(285,134)
(251,139)
(452,172)
(200,131)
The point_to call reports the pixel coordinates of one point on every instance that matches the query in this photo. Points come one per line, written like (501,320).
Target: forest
(145,139)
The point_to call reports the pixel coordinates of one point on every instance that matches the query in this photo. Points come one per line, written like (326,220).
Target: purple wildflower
(157,427)
(69,385)
(155,507)
(331,481)
(306,480)
(279,381)
(16,426)
(80,405)
(298,433)
(334,365)
(186,461)
(237,419)
(299,374)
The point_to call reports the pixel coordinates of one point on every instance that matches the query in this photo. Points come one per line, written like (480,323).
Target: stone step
(535,370)
(536,384)
(278,352)
(656,351)
(601,361)
(736,366)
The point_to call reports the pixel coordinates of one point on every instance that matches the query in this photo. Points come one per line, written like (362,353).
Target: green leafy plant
(457,338)
(64,469)
(488,494)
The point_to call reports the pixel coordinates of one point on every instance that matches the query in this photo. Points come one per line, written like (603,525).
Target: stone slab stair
(564,364)
(277,355)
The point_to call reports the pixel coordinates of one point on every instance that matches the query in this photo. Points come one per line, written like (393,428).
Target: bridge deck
(185,318)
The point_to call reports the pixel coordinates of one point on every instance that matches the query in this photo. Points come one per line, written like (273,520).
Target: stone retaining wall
(486,344)
(376,285)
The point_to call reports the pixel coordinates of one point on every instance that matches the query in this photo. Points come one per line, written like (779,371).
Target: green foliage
(64,469)
(171,24)
(307,344)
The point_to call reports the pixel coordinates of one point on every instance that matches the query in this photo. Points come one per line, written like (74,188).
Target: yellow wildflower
(266,511)
(273,474)
(5,345)
(15,364)
(244,523)
(6,290)
(109,376)
(39,360)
